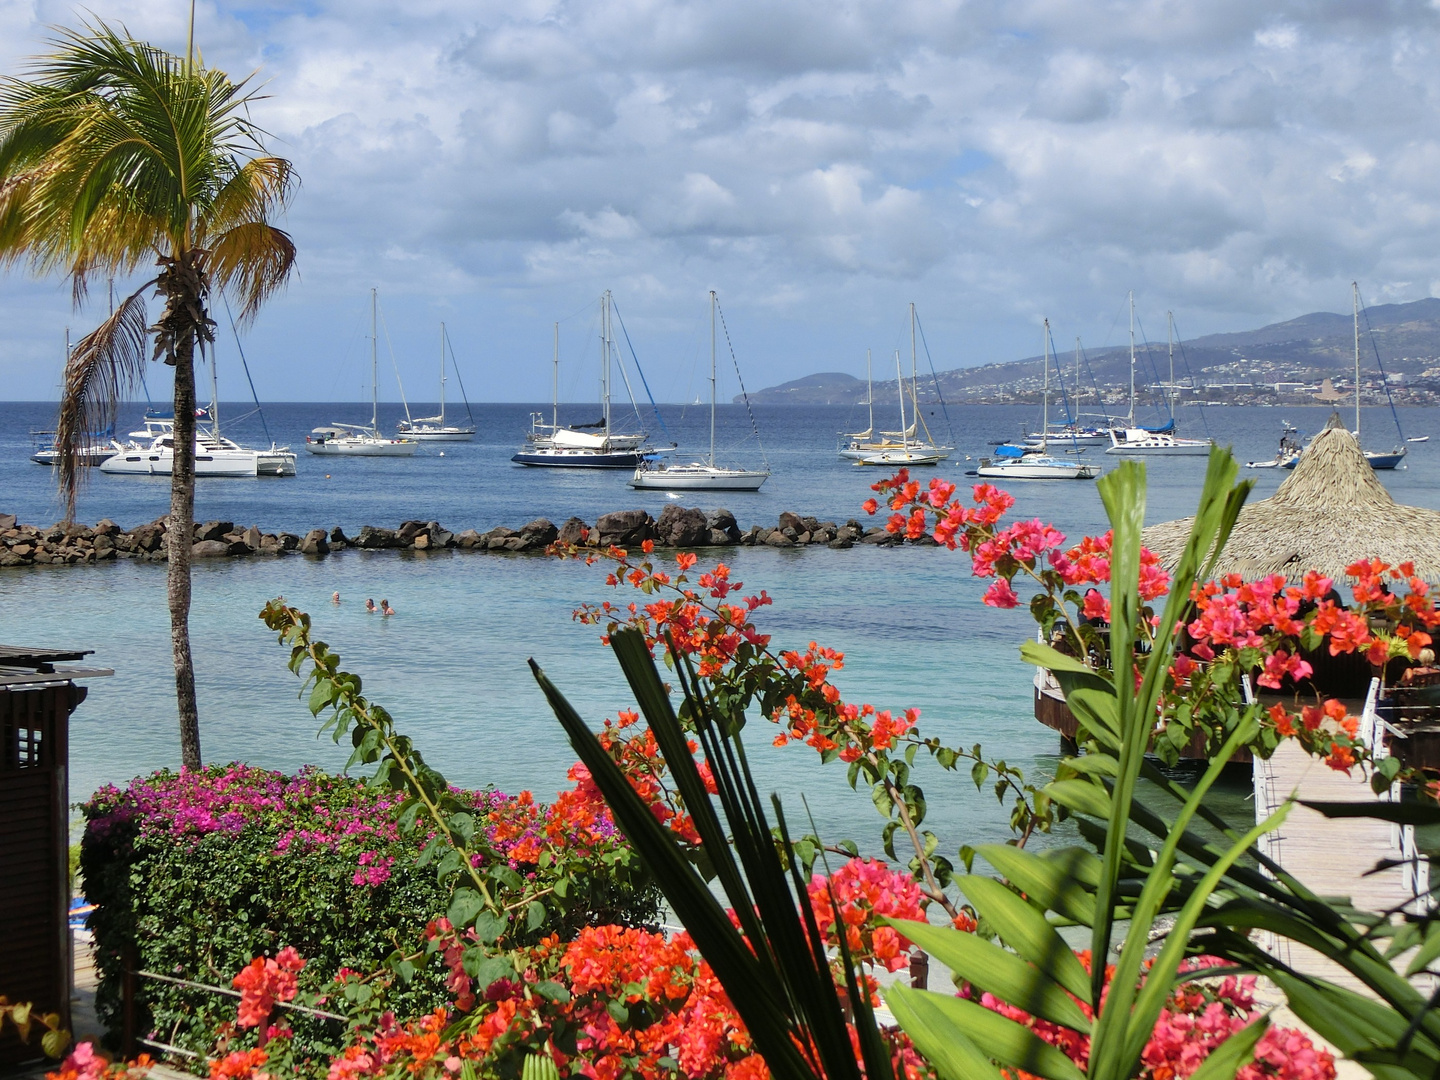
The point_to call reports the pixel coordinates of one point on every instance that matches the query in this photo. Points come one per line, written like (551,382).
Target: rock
(422,542)
(855,526)
(724,520)
(539,532)
(314,543)
(55,534)
(573,531)
(9,558)
(518,543)
(7,521)
(792,521)
(371,538)
(803,538)
(811,524)
(846,533)
(720,538)
(239,547)
(497,543)
(682,527)
(822,535)
(105,554)
(106,527)
(469,540)
(104,542)
(211,530)
(749,536)
(337,536)
(252,539)
(76,531)
(778,539)
(22,550)
(840,545)
(624,528)
(876,536)
(209,549)
(925,540)
(790,534)
(439,537)
(407,532)
(148,537)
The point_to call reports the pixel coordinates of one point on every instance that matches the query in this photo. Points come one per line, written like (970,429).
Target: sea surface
(451,664)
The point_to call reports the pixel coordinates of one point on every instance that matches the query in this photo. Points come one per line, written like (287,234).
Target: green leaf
(989,967)
(1082,796)
(944,1045)
(1046,656)
(492,968)
(552,991)
(534,915)
(1055,882)
(1013,1045)
(1025,930)
(489,925)
(464,906)
(618,1011)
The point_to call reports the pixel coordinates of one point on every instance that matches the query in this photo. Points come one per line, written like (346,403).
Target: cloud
(820,163)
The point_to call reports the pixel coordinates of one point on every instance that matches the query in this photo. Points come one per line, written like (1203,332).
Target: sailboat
(1147,442)
(584,446)
(1377,459)
(358,440)
(98,444)
(903,447)
(660,475)
(434,428)
(1024,463)
(855,444)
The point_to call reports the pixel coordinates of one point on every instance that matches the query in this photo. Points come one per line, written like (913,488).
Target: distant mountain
(1292,354)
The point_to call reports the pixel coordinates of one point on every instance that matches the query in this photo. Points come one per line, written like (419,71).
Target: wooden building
(36,700)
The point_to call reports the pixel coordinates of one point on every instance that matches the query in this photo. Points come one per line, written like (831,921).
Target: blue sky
(819,163)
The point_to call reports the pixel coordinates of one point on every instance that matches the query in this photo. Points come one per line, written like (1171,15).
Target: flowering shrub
(85,1062)
(199,872)
(864,889)
(1199,1016)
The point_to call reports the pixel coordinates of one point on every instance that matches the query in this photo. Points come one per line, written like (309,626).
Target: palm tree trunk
(180,534)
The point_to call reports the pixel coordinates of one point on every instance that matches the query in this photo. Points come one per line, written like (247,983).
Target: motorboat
(584,446)
(434,428)
(361,440)
(213,457)
(1140,442)
(659,475)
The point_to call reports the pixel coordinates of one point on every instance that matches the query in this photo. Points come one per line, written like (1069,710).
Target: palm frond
(252,261)
(102,365)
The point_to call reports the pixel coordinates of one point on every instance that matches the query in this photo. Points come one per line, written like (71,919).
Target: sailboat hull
(911,456)
(698,477)
(438,434)
(571,457)
(361,447)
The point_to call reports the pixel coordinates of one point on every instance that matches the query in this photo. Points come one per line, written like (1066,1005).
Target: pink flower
(1001,595)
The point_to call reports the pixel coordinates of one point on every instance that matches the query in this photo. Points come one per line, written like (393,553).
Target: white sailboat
(358,440)
(98,446)
(434,428)
(903,447)
(1139,441)
(584,446)
(660,475)
(1037,464)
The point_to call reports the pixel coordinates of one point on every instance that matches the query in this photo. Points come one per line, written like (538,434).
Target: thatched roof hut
(1330,512)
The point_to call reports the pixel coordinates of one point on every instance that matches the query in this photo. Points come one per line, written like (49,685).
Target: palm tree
(117,156)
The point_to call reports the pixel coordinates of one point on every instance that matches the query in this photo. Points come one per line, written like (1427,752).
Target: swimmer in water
(370,606)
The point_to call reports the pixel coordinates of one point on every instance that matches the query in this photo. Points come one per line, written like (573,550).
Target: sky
(820,164)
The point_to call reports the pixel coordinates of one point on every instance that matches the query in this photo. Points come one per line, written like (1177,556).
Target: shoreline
(676,527)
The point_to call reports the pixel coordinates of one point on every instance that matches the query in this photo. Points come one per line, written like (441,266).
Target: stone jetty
(676,527)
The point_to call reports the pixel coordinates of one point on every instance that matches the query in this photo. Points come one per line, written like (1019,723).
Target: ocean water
(451,664)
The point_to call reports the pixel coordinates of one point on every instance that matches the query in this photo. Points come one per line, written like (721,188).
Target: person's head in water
(369,605)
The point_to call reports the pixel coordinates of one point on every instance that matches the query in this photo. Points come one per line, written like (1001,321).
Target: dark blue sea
(451,663)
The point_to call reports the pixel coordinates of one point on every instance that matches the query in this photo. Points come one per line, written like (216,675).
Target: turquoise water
(451,665)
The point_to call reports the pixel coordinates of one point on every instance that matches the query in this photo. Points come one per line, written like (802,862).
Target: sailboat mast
(869,388)
(914,371)
(900,386)
(712,378)
(1170,344)
(375,365)
(1130,421)
(555,393)
(1045,398)
(605,357)
(442,374)
(1355,287)
(214,391)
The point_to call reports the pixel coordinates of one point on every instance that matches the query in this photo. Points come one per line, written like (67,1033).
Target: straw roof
(1330,512)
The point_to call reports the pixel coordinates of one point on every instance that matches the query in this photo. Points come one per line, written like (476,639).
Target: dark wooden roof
(22,666)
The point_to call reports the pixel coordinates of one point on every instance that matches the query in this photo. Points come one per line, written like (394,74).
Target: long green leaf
(1057,885)
(988,967)
(1232,1055)
(1024,929)
(946,1046)
(943,1017)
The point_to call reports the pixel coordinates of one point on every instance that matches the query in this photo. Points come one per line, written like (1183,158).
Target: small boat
(903,447)
(213,457)
(92,453)
(904,453)
(584,446)
(434,428)
(659,475)
(1034,462)
(361,440)
(1138,441)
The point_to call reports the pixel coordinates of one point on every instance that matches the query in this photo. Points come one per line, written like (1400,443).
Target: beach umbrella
(1329,513)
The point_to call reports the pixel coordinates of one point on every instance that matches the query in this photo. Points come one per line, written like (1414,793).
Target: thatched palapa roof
(1329,513)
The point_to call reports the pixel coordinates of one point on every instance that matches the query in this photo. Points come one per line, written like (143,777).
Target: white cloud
(818,162)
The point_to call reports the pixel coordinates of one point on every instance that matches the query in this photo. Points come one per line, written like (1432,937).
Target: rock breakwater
(676,527)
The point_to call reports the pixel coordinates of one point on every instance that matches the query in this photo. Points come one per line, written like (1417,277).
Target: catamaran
(1134,440)
(359,440)
(660,475)
(1027,463)
(434,428)
(584,446)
